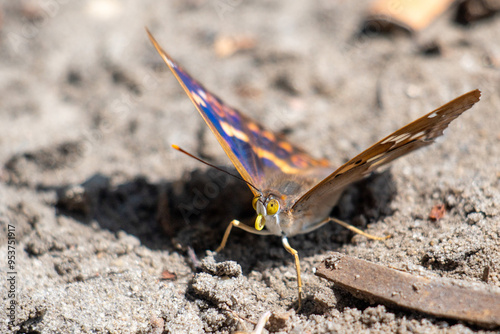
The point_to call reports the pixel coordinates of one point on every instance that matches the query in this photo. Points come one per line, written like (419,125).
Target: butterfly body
(287,190)
(294,192)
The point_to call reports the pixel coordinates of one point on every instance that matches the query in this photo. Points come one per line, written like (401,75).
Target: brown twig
(435,296)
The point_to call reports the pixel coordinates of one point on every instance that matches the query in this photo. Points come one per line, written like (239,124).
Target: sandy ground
(113,227)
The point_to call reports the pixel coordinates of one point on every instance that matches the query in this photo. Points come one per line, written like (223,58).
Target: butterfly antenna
(209,164)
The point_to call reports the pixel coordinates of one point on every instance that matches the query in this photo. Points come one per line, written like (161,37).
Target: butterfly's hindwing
(419,133)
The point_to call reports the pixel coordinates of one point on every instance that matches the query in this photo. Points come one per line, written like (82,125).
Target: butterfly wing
(255,152)
(409,138)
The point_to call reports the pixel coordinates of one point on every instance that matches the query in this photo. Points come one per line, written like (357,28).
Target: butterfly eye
(254,202)
(272,207)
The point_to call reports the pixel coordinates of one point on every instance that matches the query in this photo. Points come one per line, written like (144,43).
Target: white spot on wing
(202,94)
(396,139)
(170,63)
(402,137)
(198,99)
(391,138)
(233,132)
(418,134)
(375,157)
(434,114)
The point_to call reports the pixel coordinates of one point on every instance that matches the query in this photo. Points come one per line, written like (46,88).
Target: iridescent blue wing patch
(255,152)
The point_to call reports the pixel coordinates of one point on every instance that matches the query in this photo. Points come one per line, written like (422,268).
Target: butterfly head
(267,208)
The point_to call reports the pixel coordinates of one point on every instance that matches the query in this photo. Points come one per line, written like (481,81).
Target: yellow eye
(254,202)
(272,207)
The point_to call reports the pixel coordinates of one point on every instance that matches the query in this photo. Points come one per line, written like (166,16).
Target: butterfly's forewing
(415,135)
(255,152)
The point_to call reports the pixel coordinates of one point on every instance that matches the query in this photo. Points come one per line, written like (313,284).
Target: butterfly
(294,193)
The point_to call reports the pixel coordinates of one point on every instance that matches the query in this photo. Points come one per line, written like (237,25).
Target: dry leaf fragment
(408,14)
(437,212)
(168,276)
(226,46)
(435,296)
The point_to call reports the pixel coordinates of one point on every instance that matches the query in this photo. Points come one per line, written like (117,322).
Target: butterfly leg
(226,234)
(243,226)
(354,229)
(295,254)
